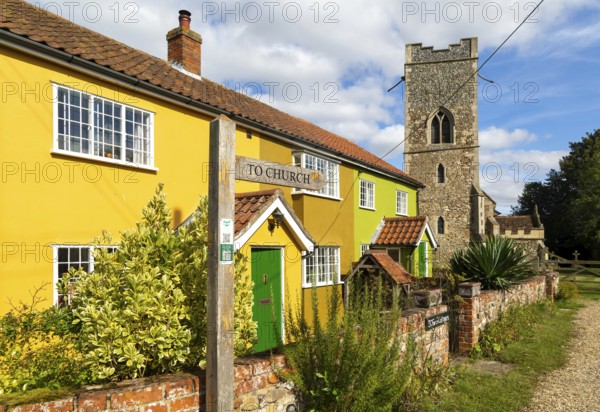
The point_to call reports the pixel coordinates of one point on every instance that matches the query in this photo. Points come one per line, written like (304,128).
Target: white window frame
(401,203)
(364,247)
(329,168)
(55,263)
(367,194)
(320,260)
(426,274)
(141,137)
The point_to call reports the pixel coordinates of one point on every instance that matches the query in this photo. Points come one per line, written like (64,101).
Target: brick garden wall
(180,392)
(479,308)
(257,385)
(432,344)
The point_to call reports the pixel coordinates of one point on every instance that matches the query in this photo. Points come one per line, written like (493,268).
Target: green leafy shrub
(354,361)
(191,264)
(497,263)
(38,350)
(143,310)
(567,291)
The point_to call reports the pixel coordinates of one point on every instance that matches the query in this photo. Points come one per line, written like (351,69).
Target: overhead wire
(476,72)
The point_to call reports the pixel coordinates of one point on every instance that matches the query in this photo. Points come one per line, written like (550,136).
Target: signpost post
(223,170)
(221,198)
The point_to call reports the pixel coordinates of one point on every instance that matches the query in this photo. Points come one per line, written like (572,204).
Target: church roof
(89,49)
(512,224)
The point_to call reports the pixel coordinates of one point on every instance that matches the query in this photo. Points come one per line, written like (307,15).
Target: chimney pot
(184,19)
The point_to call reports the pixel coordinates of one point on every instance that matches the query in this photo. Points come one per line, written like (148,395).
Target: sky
(332,63)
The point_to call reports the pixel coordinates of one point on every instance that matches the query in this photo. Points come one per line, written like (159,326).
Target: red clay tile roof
(41,26)
(249,206)
(513,224)
(393,268)
(401,231)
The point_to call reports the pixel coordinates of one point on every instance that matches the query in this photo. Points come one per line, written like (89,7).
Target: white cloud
(392,137)
(542,160)
(503,173)
(498,138)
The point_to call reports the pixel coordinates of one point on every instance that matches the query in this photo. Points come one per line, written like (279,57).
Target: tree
(569,200)
(581,171)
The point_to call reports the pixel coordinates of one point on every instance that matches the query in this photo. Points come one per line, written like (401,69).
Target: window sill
(321,285)
(402,214)
(367,208)
(103,160)
(306,192)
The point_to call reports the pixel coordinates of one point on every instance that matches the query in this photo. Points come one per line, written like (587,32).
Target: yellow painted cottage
(90,126)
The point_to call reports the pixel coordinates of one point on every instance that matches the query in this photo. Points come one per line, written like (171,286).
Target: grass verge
(538,352)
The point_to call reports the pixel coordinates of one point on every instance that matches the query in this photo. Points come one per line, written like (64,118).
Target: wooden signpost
(255,170)
(224,169)
(221,198)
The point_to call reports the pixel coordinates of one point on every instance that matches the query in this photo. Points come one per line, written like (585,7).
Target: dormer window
(441,128)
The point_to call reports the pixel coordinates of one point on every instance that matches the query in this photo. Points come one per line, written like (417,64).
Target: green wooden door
(423,259)
(267,310)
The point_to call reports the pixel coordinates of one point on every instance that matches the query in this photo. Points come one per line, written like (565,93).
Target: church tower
(441,143)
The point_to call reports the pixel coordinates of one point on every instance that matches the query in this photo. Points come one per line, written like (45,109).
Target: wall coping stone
(469,289)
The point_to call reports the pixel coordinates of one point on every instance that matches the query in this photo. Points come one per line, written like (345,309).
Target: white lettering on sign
(437,320)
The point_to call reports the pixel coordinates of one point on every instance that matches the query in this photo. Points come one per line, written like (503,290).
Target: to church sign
(255,170)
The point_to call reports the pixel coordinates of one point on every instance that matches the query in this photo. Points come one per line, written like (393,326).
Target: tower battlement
(466,49)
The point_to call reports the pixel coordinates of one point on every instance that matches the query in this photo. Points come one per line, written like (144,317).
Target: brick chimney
(185,45)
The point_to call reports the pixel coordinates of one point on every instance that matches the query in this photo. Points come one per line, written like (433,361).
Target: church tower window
(441,128)
(441,226)
(441,174)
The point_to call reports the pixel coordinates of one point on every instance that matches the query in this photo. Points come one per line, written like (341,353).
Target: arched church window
(441,174)
(441,226)
(441,128)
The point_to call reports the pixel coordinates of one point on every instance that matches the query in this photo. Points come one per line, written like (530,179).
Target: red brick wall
(170,393)
(257,385)
(477,308)
(432,344)
(181,392)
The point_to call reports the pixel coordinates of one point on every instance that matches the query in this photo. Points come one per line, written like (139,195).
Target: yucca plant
(497,263)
